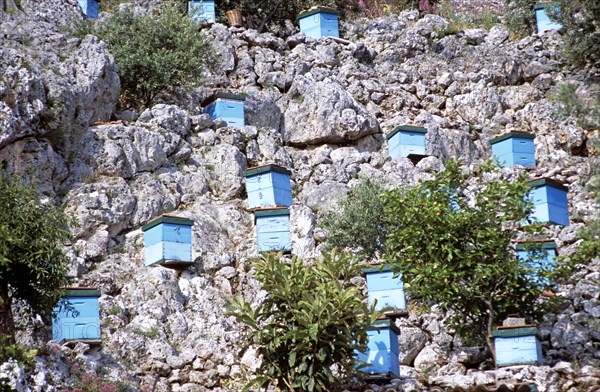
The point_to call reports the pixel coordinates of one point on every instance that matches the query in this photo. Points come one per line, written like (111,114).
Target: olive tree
(33,264)
(155,53)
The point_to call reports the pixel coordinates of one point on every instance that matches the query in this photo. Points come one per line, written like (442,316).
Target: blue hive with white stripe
(319,22)
(77,315)
(168,240)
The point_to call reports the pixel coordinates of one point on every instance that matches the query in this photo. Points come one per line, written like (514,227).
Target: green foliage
(589,247)
(312,319)
(25,357)
(155,53)
(579,19)
(453,247)
(581,22)
(357,225)
(586,114)
(33,264)
(519,17)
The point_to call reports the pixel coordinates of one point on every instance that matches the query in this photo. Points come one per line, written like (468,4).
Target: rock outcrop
(320,108)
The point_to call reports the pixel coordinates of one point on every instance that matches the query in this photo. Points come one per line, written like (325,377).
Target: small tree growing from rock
(358,224)
(311,322)
(155,53)
(33,264)
(451,239)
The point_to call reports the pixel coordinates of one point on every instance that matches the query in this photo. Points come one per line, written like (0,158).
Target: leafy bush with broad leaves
(309,325)
(357,224)
(452,238)
(155,53)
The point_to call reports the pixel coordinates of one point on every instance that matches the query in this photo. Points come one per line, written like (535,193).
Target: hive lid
(544,244)
(406,128)
(214,97)
(278,211)
(538,182)
(317,10)
(252,171)
(384,324)
(514,331)
(512,134)
(81,291)
(167,219)
(545,4)
(379,267)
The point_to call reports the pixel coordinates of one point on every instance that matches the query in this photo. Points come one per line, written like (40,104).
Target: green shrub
(580,26)
(357,225)
(580,19)
(519,17)
(455,249)
(311,321)
(155,53)
(25,357)
(33,263)
(587,114)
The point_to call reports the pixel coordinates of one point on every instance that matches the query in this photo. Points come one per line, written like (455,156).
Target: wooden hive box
(544,254)
(543,21)
(90,8)
(319,22)
(268,186)
(406,140)
(202,11)
(514,148)
(517,346)
(273,230)
(77,318)
(382,348)
(550,201)
(168,240)
(226,107)
(386,289)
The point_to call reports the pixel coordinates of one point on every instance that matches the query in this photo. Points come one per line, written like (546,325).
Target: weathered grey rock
(326,113)
(411,340)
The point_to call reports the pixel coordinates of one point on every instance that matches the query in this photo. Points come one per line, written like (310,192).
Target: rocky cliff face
(319,108)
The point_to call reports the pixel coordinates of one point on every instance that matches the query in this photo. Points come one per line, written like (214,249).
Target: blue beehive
(90,8)
(273,230)
(382,348)
(544,23)
(268,186)
(514,148)
(406,140)
(319,22)
(77,316)
(386,289)
(202,11)
(168,240)
(541,254)
(517,346)
(549,201)
(226,107)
